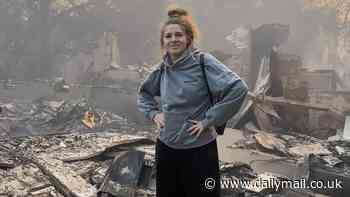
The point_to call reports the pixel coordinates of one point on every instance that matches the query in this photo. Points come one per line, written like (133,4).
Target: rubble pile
(65,148)
(73,164)
(106,164)
(97,164)
(50,116)
(321,159)
(295,112)
(283,144)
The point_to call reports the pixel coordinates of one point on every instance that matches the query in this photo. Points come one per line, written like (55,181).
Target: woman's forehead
(172,28)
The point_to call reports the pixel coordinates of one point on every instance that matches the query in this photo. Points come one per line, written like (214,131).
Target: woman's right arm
(149,89)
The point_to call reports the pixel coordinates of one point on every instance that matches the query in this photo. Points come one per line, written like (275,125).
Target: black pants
(187,172)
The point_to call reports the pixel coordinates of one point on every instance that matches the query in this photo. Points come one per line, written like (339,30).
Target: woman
(186,150)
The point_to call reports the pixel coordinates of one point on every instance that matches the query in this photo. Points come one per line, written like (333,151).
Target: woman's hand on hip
(159,120)
(197,128)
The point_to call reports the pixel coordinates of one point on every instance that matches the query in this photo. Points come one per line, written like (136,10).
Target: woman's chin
(176,53)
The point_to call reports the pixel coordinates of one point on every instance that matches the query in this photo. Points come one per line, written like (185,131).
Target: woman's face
(175,40)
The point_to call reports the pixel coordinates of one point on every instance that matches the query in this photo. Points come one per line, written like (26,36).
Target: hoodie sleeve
(226,87)
(148,89)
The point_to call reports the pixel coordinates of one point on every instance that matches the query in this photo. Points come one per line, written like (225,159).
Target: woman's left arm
(225,85)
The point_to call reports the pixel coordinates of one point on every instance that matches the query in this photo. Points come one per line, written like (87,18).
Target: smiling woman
(175,41)
(186,149)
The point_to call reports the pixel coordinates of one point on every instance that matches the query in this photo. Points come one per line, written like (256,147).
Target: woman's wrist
(153,114)
(205,124)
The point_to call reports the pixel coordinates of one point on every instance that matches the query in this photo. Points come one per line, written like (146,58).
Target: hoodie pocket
(176,128)
(174,123)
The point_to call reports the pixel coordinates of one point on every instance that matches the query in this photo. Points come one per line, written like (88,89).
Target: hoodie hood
(187,56)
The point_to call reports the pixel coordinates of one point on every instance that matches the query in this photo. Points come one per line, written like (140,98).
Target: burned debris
(71,148)
(39,171)
(295,112)
(51,117)
(61,148)
(57,146)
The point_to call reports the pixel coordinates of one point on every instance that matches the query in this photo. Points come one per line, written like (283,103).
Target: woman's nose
(173,38)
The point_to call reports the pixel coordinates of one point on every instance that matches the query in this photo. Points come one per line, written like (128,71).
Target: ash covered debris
(39,168)
(43,116)
(93,164)
(87,151)
(52,148)
(294,112)
(127,169)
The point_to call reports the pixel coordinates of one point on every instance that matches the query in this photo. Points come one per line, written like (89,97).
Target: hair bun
(177,12)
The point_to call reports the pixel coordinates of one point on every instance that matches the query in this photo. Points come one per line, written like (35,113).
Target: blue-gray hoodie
(184,96)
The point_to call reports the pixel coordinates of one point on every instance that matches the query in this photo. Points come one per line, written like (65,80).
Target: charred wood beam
(117,146)
(303,137)
(65,180)
(39,187)
(6,165)
(284,102)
